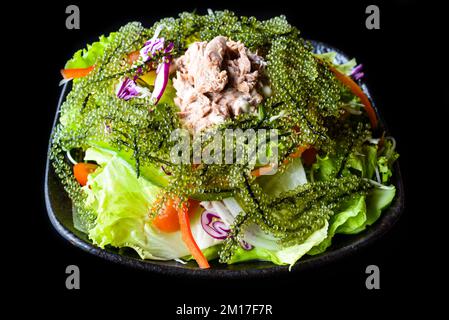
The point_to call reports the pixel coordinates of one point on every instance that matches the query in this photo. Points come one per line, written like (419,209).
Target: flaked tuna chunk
(215,81)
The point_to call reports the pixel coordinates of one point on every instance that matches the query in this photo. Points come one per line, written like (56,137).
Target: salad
(219,137)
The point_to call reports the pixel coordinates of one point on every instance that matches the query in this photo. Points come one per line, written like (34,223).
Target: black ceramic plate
(59,209)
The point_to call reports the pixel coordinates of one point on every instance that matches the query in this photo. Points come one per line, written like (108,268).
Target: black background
(400,61)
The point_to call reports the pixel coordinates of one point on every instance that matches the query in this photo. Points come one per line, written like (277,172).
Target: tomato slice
(167,219)
(82,170)
(308,157)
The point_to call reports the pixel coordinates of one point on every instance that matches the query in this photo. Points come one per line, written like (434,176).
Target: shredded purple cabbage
(128,89)
(357,73)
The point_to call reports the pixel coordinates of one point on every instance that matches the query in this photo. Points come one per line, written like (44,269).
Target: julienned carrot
(76,72)
(187,237)
(82,170)
(357,91)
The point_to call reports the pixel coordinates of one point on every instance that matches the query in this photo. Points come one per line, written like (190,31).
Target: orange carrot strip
(76,72)
(357,91)
(188,239)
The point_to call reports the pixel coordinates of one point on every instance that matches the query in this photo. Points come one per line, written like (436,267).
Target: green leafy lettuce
(86,57)
(354,215)
(280,182)
(351,216)
(386,160)
(344,68)
(364,161)
(324,168)
(277,255)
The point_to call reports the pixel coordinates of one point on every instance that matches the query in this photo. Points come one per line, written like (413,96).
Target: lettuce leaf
(281,256)
(364,161)
(377,200)
(344,68)
(265,246)
(384,169)
(324,168)
(121,201)
(87,57)
(356,214)
(211,253)
(351,216)
(386,160)
(292,177)
(102,153)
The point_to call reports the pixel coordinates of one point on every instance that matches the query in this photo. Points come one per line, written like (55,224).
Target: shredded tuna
(215,81)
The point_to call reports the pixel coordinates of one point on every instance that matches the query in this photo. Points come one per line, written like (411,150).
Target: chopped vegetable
(149,77)
(245,245)
(187,237)
(129,89)
(357,91)
(269,169)
(357,73)
(76,73)
(167,219)
(308,157)
(214,226)
(133,56)
(151,48)
(262,171)
(154,50)
(82,170)
(161,81)
(299,151)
